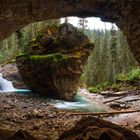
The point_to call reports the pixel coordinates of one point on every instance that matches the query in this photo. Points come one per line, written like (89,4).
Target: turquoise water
(7,86)
(81,103)
(22,91)
(17,91)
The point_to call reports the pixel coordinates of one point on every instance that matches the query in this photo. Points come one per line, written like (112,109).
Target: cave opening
(21,111)
(102,34)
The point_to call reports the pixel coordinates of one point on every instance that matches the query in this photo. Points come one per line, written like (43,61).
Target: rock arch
(15,14)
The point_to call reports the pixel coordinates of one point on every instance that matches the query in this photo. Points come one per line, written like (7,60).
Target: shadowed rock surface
(55,61)
(90,128)
(125,13)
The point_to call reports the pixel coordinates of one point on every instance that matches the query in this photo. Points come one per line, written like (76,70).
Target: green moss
(33,39)
(48,30)
(8,62)
(34,45)
(51,58)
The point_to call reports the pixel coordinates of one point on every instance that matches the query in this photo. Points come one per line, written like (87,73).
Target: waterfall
(5,85)
(81,103)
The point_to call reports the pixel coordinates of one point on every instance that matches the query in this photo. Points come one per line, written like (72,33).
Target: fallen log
(106,113)
(114,99)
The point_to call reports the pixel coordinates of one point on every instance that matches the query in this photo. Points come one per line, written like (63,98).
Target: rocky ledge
(54,61)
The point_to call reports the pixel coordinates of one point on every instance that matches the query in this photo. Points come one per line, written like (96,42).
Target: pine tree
(83,24)
(113,53)
(66,20)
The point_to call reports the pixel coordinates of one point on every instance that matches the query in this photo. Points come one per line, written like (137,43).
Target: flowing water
(81,103)
(7,86)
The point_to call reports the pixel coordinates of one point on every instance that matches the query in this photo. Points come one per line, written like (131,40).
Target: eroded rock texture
(91,128)
(15,14)
(55,61)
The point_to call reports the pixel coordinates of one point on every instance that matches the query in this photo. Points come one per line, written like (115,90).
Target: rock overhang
(16,14)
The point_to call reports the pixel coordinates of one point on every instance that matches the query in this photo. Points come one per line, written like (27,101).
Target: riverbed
(42,119)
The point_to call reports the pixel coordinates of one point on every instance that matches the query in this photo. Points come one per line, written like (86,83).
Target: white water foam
(7,86)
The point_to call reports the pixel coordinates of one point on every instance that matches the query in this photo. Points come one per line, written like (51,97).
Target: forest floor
(46,122)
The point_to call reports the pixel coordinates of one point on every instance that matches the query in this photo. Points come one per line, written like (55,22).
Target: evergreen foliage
(83,24)
(110,57)
(18,42)
(124,81)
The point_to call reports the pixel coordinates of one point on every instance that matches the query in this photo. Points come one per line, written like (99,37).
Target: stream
(81,103)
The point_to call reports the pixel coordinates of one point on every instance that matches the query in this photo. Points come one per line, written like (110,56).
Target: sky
(93,23)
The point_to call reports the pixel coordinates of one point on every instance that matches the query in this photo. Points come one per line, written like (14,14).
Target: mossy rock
(54,75)
(55,62)
(52,39)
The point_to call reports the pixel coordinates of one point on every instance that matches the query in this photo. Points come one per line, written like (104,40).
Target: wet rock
(53,67)
(10,72)
(119,105)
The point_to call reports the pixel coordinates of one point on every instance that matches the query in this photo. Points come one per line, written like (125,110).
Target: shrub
(99,87)
(134,75)
(124,81)
(131,77)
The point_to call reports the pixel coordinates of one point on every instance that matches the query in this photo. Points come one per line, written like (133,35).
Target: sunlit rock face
(54,61)
(15,14)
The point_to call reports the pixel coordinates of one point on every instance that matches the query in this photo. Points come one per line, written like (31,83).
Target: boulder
(91,128)
(54,61)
